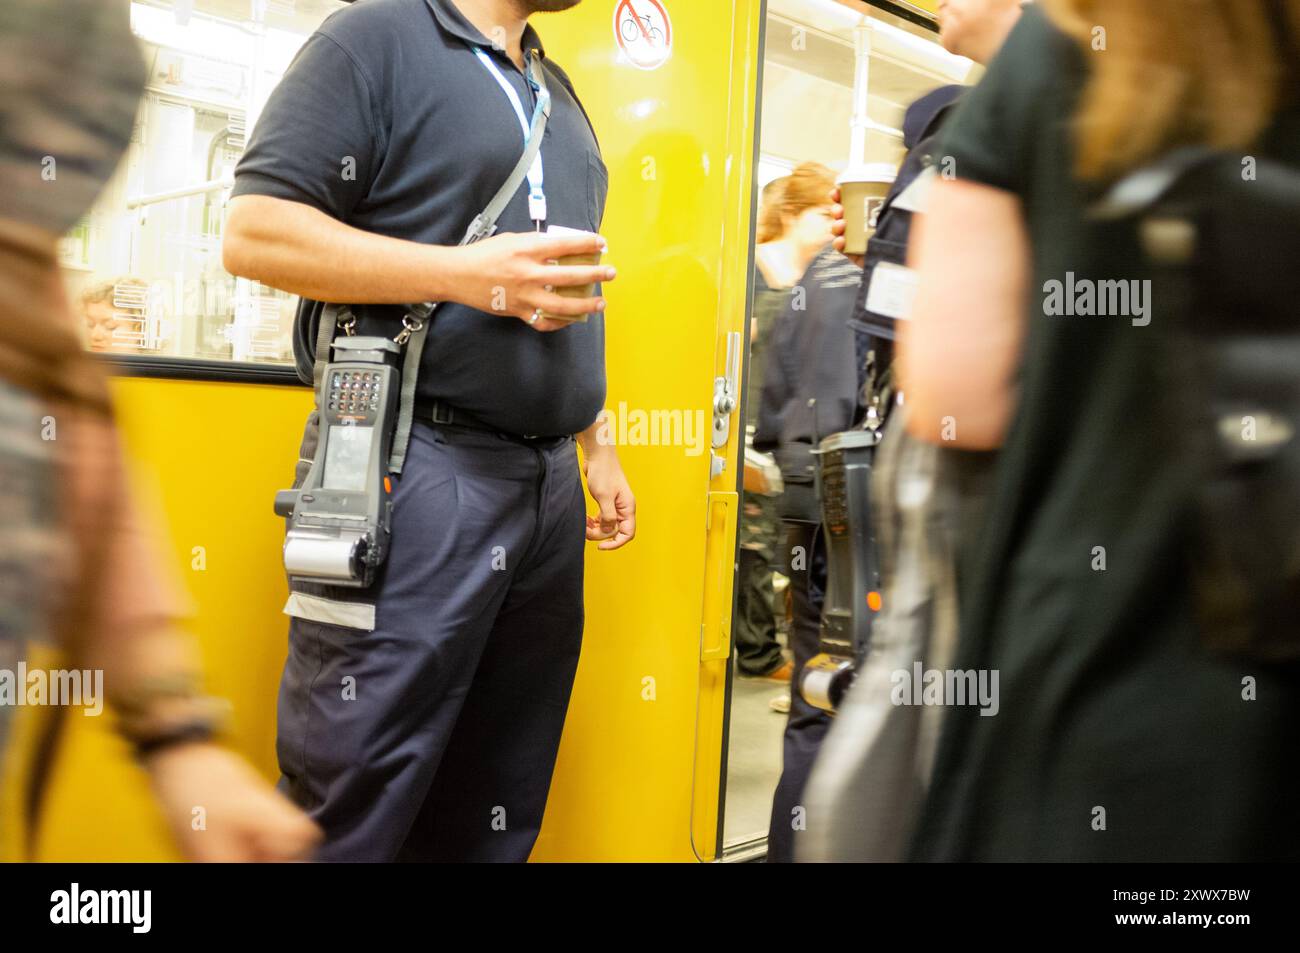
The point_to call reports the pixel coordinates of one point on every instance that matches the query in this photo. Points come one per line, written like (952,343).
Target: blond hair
(1166,73)
(109,291)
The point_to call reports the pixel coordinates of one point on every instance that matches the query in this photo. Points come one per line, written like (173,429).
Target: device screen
(347,456)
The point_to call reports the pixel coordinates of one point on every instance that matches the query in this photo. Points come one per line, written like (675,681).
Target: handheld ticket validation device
(853,573)
(339,518)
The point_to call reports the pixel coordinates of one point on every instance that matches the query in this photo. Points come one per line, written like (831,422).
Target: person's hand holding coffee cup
(578,261)
(545,279)
(837,229)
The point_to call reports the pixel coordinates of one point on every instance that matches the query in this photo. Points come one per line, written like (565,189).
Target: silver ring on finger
(537,316)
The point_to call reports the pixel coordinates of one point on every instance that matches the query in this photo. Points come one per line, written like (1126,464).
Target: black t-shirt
(1107,697)
(387,121)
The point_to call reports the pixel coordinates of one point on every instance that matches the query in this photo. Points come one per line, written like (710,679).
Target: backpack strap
(1144,188)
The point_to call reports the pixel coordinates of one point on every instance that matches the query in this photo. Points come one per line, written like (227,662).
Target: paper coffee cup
(573,291)
(862,192)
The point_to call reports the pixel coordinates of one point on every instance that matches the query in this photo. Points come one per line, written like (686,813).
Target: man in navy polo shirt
(420,719)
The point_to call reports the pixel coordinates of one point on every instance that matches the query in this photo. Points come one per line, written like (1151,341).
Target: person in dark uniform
(793,231)
(1121,735)
(809,392)
(391,131)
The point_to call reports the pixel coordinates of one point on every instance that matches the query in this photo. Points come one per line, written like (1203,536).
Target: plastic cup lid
(561,231)
(875,172)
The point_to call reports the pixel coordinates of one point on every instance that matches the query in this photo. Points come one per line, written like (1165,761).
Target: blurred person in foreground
(77,567)
(809,392)
(1120,735)
(872,770)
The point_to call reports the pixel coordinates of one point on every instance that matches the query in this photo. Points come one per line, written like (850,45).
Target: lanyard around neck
(536,192)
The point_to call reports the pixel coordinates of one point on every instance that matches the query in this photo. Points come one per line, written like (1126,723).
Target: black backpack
(1222,248)
(874,332)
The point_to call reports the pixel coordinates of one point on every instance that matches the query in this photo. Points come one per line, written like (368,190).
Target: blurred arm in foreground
(86,573)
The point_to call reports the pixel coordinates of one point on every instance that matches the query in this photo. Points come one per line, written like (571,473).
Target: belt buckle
(441,413)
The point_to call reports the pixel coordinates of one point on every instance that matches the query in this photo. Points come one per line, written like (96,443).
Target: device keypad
(354,394)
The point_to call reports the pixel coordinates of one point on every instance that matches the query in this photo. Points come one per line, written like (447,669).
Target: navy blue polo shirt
(386,120)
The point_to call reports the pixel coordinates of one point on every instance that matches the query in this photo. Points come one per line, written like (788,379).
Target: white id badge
(916,196)
(892,291)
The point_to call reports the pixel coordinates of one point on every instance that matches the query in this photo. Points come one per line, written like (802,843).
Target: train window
(144,266)
(811,57)
(838,76)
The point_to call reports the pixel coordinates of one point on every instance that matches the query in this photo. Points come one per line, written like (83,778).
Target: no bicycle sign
(644,32)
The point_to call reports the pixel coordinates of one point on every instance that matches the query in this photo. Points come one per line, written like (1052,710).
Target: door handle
(719,571)
(726,393)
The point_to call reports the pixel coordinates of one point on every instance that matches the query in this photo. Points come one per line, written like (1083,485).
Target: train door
(670,86)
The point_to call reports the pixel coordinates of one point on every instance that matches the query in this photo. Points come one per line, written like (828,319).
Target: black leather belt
(440,412)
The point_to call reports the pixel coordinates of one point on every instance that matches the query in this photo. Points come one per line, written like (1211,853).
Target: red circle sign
(644,32)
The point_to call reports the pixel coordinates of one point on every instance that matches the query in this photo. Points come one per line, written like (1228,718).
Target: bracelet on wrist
(196,730)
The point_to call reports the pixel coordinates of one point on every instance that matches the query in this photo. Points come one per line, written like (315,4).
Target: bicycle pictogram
(634,27)
(644,32)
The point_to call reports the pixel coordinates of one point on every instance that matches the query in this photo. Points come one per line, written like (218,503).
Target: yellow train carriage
(665,756)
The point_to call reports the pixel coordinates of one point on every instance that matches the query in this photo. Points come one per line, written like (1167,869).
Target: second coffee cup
(862,192)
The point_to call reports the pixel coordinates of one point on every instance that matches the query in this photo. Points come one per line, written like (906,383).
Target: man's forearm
(301,250)
(590,440)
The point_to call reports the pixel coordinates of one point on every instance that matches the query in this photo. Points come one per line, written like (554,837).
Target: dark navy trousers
(433,737)
(806,726)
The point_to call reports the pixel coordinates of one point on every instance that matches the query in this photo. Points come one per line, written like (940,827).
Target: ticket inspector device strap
(416,322)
